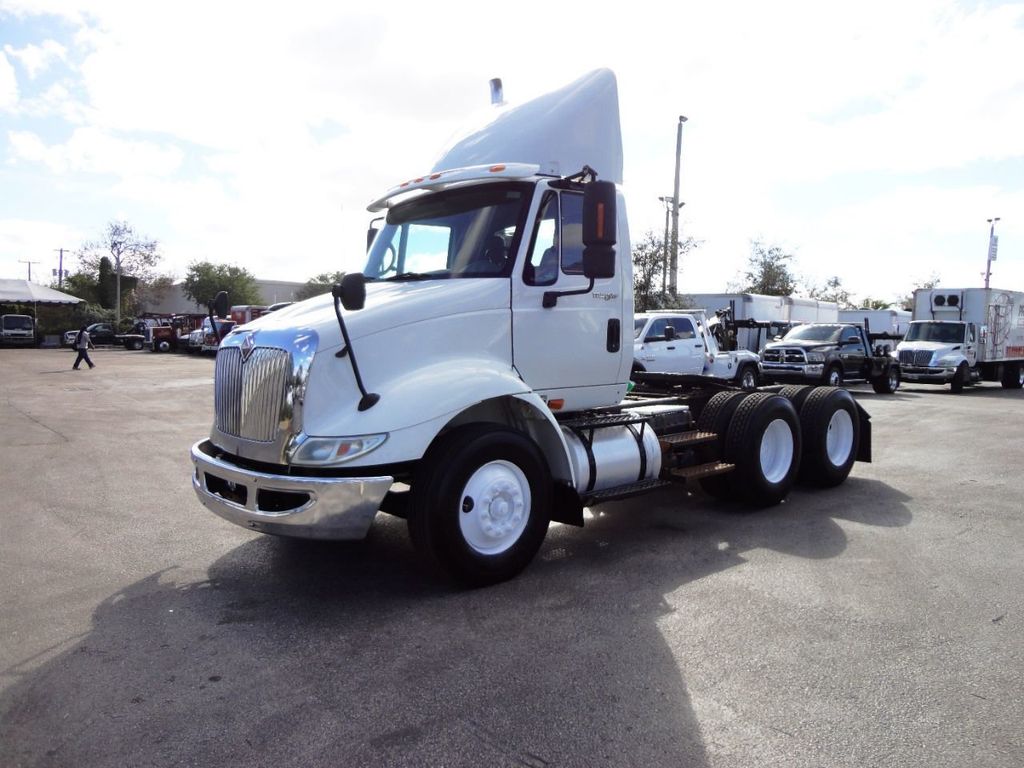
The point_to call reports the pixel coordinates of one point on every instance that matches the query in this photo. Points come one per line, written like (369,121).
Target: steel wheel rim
(494,507)
(776,453)
(748,380)
(839,438)
(894,380)
(1020,377)
(834,378)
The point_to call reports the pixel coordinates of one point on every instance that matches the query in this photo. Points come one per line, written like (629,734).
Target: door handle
(669,347)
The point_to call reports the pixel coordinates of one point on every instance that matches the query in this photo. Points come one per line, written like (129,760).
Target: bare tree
(130,252)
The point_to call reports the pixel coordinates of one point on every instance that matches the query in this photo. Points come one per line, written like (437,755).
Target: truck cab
(19,330)
(939,352)
(677,341)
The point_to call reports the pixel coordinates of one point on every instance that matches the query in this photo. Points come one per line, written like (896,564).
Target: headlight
(815,357)
(328,451)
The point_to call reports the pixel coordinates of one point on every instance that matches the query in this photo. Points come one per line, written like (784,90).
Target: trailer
(891,321)
(755,319)
(963,336)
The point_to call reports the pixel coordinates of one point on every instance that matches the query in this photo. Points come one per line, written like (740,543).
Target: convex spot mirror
(670,333)
(351,290)
(599,223)
(220,304)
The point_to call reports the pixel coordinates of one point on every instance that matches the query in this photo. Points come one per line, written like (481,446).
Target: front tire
(136,344)
(834,376)
(830,425)
(481,504)
(163,346)
(959,379)
(747,378)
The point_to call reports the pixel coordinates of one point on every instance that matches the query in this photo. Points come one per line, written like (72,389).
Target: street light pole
(993,245)
(669,205)
(60,267)
(30,263)
(675,210)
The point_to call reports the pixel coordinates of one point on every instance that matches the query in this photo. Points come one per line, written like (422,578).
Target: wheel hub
(839,439)
(495,507)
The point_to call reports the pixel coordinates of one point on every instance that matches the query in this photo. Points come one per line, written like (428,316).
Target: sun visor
(560,131)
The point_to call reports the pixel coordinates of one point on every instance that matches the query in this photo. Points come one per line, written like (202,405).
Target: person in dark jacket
(82,344)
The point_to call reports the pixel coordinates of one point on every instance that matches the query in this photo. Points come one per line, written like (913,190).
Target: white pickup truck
(681,341)
(473,378)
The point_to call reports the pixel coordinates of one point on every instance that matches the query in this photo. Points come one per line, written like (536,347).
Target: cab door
(853,354)
(574,350)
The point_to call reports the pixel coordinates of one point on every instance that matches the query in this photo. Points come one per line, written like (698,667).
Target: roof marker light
(435,176)
(496,168)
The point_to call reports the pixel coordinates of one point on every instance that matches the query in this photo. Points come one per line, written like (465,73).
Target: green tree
(768,271)
(869,303)
(129,252)
(204,280)
(832,291)
(318,284)
(650,273)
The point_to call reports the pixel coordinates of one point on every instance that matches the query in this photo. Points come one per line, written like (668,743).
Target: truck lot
(880,623)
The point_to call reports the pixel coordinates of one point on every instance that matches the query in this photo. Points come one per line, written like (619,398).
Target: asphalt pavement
(880,623)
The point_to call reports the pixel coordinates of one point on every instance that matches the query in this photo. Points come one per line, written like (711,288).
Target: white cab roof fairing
(560,131)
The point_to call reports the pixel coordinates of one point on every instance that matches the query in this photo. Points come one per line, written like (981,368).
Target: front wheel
(834,376)
(481,504)
(959,379)
(136,344)
(747,378)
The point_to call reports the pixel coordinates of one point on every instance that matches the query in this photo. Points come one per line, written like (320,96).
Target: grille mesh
(920,358)
(249,397)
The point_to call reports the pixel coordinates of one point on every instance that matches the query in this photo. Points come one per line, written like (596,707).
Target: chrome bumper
(927,375)
(284,505)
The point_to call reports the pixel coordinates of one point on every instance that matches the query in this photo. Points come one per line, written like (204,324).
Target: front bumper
(927,375)
(339,508)
(792,371)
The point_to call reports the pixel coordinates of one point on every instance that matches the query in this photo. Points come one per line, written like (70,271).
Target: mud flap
(566,505)
(864,449)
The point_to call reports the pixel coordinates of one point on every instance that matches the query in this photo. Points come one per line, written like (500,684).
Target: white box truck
(961,336)
(473,378)
(891,321)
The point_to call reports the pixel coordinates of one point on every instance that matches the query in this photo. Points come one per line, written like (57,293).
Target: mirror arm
(369,399)
(551,297)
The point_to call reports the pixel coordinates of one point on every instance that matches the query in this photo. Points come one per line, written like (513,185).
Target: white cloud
(92,150)
(37,58)
(35,240)
(8,84)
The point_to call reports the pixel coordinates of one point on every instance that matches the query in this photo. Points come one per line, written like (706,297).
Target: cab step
(703,470)
(686,439)
(622,491)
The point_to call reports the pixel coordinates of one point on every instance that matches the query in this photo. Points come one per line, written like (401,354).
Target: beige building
(175,302)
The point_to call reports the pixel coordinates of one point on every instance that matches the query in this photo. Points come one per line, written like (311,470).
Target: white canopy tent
(25,292)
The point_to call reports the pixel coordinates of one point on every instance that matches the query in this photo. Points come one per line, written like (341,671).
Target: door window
(572,234)
(542,263)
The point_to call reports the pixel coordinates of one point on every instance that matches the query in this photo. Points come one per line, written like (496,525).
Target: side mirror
(599,224)
(670,333)
(220,304)
(370,234)
(351,290)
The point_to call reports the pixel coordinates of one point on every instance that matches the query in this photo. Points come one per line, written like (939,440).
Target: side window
(541,266)
(851,337)
(657,330)
(684,328)
(971,333)
(572,234)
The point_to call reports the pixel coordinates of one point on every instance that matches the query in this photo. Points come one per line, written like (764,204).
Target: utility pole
(30,263)
(669,205)
(675,210)
(60,267)
(993,246)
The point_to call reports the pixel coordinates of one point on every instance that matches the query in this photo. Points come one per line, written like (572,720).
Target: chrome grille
(249,397)
(921,358)
(784,356)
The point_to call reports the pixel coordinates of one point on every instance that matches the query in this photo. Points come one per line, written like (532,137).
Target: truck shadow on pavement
(312,654)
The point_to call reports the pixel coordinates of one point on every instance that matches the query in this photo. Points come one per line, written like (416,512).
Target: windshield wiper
(419,276)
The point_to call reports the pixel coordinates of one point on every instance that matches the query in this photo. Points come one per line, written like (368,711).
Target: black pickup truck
(832,354)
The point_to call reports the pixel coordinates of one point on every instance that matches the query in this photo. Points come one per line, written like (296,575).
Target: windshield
(638,326)
(947,333)
(17,323)
(467,232)
(814,333)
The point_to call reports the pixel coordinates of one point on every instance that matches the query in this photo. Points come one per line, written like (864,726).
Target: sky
(872,140)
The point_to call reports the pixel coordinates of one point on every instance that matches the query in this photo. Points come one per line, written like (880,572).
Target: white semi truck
(961,336)
(473,378)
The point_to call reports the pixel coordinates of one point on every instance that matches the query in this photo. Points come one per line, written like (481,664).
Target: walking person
(82,344)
